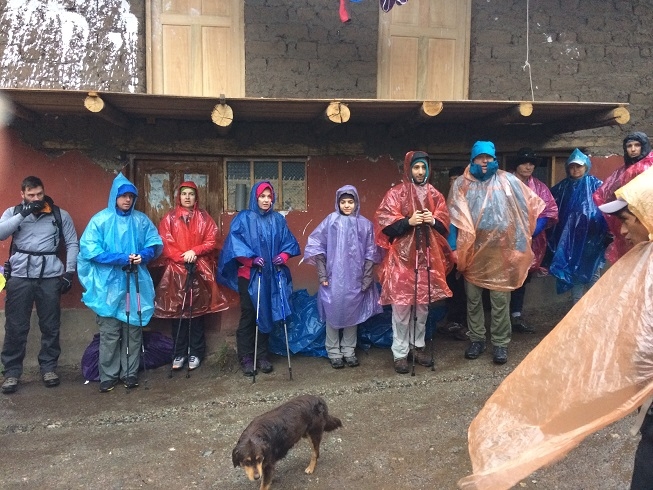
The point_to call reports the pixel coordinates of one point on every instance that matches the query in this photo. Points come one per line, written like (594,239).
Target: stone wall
(302,49)
(580,50)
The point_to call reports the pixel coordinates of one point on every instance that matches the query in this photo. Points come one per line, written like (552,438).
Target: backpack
(56,213)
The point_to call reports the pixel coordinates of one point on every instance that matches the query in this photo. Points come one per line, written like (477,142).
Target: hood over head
(643,140)
(580,158)
(480,148)
(192,185)
(257,190)
(121,185)
(348,189)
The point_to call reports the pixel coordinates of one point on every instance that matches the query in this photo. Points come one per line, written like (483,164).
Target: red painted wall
(602,167)
(74,182)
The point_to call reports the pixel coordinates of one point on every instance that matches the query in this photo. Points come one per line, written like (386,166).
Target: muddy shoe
(500,355)
(474,350)
(247,365)
(401,366)
(10,385)
(421,357)
(130,382)
(352,361)
(520,326)
(50,379)
(264,365)
(107,386)
(178,363)
(337,363)
(455,330)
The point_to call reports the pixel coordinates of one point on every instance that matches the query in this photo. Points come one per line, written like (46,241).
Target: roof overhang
(122,109)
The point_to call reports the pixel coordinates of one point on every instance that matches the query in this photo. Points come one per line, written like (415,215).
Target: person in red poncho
(189,243)
(411,224)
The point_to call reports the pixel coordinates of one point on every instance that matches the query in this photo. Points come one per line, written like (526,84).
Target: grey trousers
(115,338)
(22,294)
(338,347)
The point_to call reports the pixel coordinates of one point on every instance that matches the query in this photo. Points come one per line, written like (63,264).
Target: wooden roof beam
(222,116)
(426,111)
(334,115)
(95,104)
(612,117)
(514,114)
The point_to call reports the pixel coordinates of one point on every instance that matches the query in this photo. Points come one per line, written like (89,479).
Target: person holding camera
(412,223)
(35,275)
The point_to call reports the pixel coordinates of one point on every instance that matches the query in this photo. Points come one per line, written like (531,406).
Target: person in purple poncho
(342,248)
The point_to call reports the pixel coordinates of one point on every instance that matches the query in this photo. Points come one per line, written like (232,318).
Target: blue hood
(580,158)
(253,199)
(483,147)
(120,186)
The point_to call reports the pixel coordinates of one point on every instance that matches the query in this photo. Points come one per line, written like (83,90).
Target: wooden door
(158,181)
(424,51)
(196,47)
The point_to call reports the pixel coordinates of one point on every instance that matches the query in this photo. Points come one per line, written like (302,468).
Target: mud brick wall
(73,44)
(580,50)
(300,48)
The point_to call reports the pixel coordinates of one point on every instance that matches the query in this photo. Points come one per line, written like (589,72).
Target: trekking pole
(181,319)
(283,314)
(128,270)
(191,270)
(140,325)
(258,302)
(417,244)
(427,242)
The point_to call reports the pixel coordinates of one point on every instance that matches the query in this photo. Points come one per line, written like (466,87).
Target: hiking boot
(193,362)
(178,363)
(520,326)
(107,386)
(500,355)
(401,366)
(264,365)
(474,350)
(352,361)
(130,382)
(455,330)
(10,385)
(50,379)
(337,363)
(247,365)
(421,357)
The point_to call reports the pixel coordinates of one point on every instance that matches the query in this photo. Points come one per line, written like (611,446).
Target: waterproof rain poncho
(255,233)
(182,230)
(398,267)
(495,220)
(550,212)
(347,242)
(112,232)
(619,178)
(578,239)
(533,419)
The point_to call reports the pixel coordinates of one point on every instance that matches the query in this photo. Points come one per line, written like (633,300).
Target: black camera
(7,270)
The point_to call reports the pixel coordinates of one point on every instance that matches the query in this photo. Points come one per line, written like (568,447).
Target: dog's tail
(330,422)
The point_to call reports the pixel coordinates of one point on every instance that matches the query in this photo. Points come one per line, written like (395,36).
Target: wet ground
(400,432)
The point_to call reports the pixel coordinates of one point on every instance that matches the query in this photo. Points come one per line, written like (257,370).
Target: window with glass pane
(287,177)
(237,173)
(294,185)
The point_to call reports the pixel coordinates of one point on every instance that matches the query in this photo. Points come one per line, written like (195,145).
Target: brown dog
(269,437)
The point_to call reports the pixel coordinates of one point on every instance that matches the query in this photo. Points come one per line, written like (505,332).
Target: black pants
(22,294)
(195,335)
(643,470)
(246,333)
(457,304)
(517,297)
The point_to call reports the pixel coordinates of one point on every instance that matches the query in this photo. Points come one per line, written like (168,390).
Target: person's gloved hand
(66,282)
(279,260)
(258,262)
(32,207)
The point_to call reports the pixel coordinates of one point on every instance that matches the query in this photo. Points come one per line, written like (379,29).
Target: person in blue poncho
(257,247)
(117,240)
(578,240)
